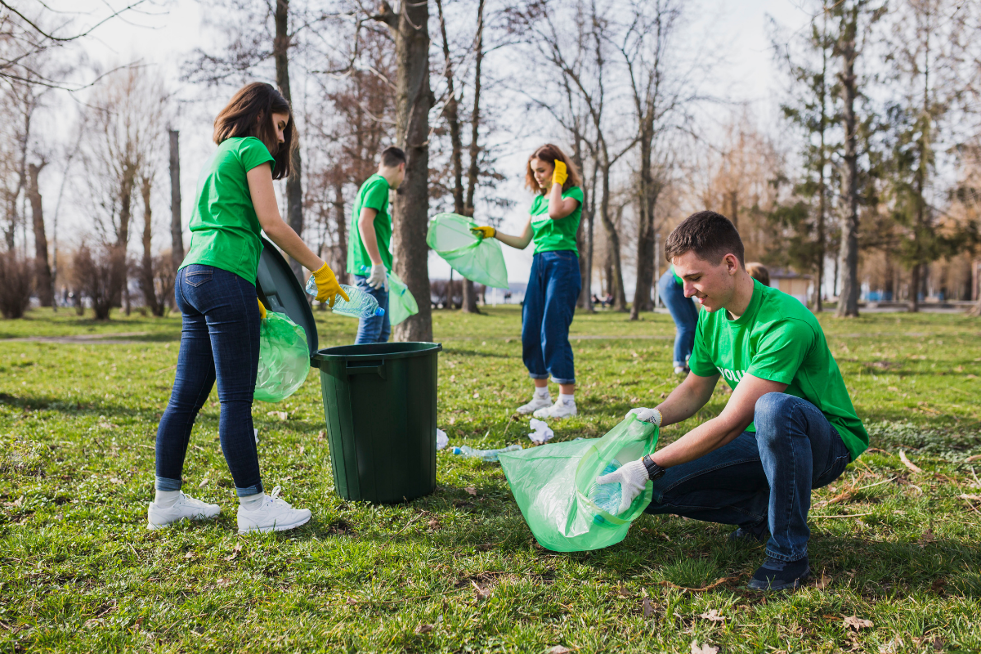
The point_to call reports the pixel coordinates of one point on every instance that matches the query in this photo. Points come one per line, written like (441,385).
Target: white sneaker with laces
(186,506)
(273,515)
(558,410)
(535,404)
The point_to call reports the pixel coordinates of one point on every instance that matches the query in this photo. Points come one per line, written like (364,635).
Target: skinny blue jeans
(685,315)
(219,340)
(549,307)
(375,329)
(761,477)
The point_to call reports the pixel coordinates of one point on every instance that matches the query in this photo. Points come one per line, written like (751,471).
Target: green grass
(80,572)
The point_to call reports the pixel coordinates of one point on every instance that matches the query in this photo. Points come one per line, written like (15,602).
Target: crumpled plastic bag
(284,358)
(553,486)
(478,259)
(442,440)
(540,431)
(401,303)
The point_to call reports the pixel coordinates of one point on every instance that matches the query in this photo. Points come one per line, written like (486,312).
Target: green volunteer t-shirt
(373,194)
(224,227)
(778,339)
(553,235)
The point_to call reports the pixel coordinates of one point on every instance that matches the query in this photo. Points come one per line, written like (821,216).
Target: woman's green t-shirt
(224,226)
(554,235)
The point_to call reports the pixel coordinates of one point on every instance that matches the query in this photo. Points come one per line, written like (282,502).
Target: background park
(842,138)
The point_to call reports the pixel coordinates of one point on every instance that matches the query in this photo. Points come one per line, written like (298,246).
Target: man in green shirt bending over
(369,254)
(789,425)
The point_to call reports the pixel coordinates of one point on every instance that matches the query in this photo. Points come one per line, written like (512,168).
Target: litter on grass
(540,432)
(442,440)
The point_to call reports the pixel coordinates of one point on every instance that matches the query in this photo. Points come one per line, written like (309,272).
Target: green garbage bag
(401,303)
(555,487)
(478,259)
(284,358)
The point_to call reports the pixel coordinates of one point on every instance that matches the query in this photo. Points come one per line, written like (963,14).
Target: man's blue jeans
(219,340)
(376,329)
(763,476)
(549,307)
(685,315)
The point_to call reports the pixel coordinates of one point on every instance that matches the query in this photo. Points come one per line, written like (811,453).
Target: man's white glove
(632,478)
(378,277)
(652,416)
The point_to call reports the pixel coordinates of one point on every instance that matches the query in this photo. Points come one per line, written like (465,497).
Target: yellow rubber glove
(262,310)
(560,174)
(484,231)
(327,287)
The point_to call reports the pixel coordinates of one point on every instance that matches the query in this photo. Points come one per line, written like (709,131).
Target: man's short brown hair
(709,235)
(391,157)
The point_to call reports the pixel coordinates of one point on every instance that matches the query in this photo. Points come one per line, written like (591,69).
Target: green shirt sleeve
(253,153)
(700,361)
(781,351)
(376,195)
(574,192)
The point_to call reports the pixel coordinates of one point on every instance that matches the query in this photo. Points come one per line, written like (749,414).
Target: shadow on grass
(74,408)
(496,355)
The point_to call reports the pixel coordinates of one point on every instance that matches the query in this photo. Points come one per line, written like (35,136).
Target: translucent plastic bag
(401,303)
(478,259)
(284,358)
(555,487)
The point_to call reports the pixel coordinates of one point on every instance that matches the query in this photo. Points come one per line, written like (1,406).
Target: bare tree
(410,30)
(44,284)
(176,232)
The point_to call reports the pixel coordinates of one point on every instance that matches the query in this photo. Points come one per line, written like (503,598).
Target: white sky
(165,39)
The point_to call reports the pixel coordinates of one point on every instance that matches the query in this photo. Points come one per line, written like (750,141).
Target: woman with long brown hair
(215,291)
(554,285)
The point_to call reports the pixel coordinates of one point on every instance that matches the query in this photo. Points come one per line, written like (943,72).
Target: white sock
(252,502)
(541,393)
(166,498)
(567,399)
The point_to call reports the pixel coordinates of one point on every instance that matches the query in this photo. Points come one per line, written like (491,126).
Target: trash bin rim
(326,354)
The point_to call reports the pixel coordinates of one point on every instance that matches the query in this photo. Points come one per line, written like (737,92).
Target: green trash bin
(380,408)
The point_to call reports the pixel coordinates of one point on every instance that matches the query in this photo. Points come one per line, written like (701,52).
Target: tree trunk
(176,238)
(44,284)
(646,201)
(340,213)
(120,285)
(146,265)
(848,299)
(294,183)
(413,99)
(612,243)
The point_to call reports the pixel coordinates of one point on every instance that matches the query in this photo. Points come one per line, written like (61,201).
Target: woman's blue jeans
(549,307)
(760,477)
(685,315)
(375,329)
(219,340)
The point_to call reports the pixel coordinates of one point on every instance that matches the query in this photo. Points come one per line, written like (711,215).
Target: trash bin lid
(280,291)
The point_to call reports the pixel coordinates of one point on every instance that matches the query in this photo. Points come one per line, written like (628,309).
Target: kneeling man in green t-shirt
(789,426)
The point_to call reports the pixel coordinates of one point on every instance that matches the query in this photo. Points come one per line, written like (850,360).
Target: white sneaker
(558,411)
(186,506)
(535,404)
(274,515)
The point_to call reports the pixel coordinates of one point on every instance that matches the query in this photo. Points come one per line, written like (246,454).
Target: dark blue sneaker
(780,575)
(750,533)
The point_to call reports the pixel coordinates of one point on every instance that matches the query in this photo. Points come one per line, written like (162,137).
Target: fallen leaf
(713,616)
(485,546)
(424,629)
(975,498)
(648,607)
(857,623)
(703,649)
(471,490)
(92,623)
(893,389)
(482,593)
(234,554)
(908,463)
(959,369)
(116,481)
(203,483)
(823,582)
(189,555)
(282,415)
(926,538)
(320,435)
(222,583)
(559,649)
(476,395)
(972,459)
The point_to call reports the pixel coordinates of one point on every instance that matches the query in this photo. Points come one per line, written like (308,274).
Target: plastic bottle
(484,455)
(607,496)
(361,305)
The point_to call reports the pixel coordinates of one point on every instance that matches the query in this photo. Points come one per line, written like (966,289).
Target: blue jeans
(219,339)
(549,306)
(685,315)
(376,329)
(762,476)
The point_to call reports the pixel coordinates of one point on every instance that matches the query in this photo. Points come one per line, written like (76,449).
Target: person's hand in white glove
(378,277)
(632,478)
(652,416)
